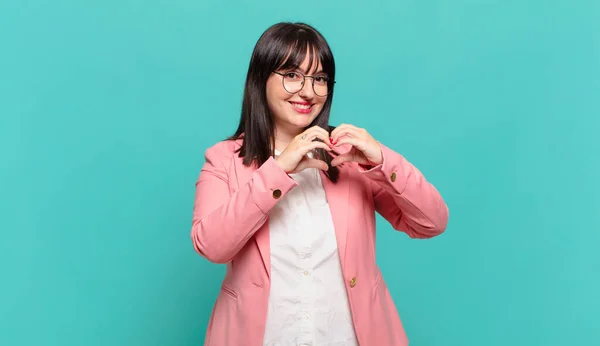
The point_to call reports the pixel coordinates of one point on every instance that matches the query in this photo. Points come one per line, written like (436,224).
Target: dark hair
(281,46)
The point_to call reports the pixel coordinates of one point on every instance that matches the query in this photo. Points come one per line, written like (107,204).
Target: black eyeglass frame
(329,83)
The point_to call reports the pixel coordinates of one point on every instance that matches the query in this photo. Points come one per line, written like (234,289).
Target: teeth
(301,106)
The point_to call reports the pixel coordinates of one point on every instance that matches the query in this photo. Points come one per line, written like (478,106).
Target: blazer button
(353,282)
(393,177)
(276,193)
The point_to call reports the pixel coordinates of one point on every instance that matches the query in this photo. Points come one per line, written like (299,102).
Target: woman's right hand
(294,158)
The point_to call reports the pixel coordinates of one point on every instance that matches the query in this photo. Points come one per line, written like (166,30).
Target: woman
(288,203)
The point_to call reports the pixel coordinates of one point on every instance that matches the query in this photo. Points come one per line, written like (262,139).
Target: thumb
(313,163)
(347,157)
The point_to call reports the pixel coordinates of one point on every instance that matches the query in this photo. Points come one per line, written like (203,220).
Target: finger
(315,129)
(347,157)
(314,145)
(316,133)
(336,130)
(321,130)
(333,153)
(320,137)
(348,132)
(315,163)
(340,128)
(355,142)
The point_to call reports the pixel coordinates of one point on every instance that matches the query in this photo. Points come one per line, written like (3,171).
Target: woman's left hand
(365,149)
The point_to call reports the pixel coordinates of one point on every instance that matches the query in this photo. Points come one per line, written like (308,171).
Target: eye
(321,79)
(292,75)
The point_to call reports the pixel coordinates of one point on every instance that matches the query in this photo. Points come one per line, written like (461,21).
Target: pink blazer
(230,225)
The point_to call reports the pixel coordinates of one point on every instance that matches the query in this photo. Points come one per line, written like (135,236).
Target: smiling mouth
(302,107)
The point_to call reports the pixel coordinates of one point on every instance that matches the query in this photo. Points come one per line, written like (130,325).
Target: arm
(224,222)
(404,198)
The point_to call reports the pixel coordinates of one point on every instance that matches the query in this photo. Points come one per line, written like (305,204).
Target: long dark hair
(281,46)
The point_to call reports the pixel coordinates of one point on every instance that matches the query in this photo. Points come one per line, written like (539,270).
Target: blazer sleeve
(223,222)
(405,198)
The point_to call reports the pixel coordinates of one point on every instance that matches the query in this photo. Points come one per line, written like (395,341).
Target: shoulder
(223,151)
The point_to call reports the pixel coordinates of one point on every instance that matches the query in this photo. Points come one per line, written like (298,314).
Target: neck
(283,137)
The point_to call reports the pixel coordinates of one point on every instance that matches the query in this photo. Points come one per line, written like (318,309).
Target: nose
(307,89)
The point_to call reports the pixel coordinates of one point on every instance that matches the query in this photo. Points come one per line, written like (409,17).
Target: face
(292,113)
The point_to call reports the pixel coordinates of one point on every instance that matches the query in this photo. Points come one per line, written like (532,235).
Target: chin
(302,123)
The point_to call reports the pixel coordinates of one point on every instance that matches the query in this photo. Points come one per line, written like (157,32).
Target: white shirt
(308,302)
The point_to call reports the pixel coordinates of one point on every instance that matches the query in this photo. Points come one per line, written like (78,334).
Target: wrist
(379,159)
(281,165)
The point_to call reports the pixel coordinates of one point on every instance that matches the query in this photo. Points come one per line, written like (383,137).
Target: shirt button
(353,282)
(393,177)
(276,193)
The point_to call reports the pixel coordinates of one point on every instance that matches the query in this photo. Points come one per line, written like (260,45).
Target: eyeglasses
(293,82)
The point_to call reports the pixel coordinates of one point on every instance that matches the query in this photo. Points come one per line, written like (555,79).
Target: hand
(365,149)
(294,158)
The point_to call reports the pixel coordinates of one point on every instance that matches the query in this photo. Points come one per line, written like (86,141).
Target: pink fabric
(229,226)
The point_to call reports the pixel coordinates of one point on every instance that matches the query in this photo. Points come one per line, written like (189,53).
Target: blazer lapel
(337,198)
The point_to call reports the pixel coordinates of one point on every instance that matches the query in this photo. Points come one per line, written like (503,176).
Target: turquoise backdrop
(106,108)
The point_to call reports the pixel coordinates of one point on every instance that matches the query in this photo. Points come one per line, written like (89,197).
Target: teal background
(107,107)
